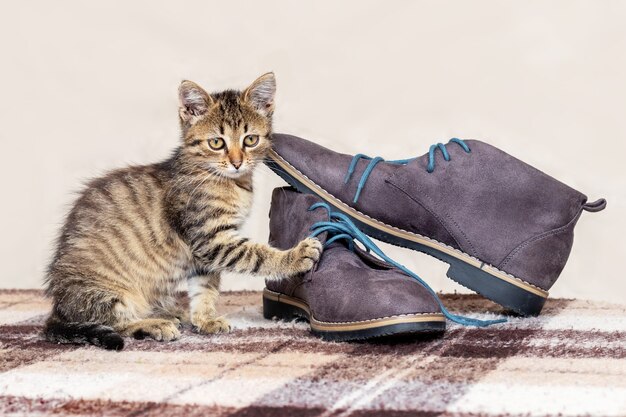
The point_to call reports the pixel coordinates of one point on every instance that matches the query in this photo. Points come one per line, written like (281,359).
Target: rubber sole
(283,307)
(498,286)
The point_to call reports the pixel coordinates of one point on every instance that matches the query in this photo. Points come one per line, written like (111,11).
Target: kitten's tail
(59,331)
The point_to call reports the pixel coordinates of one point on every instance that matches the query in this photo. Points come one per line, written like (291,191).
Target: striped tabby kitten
(136,233)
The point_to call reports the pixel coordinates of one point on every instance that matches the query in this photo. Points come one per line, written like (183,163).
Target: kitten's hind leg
(172,309)
(155,328)
(177,314)
(203,294)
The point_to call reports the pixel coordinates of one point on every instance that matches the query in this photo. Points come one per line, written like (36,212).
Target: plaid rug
(569,361)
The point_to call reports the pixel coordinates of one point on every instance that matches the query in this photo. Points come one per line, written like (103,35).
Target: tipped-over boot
(505,228)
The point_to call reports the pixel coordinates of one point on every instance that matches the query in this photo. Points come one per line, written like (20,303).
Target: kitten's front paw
(303,257)
(211,325)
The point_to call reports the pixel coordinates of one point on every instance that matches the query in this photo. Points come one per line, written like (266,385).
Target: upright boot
(349,294)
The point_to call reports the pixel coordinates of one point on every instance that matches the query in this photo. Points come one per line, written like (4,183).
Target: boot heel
(500,291)
(273,308)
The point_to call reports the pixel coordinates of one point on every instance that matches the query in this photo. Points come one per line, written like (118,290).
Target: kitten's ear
(193,102)
(260,94)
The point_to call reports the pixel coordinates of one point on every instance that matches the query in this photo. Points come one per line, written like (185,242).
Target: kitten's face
(227,133)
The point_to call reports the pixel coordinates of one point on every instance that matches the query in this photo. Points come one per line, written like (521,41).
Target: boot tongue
(290,218)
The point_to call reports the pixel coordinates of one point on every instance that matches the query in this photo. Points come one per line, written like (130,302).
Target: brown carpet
(569,361)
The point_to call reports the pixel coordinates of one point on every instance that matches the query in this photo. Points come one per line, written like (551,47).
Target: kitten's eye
(251,140)
(216,143)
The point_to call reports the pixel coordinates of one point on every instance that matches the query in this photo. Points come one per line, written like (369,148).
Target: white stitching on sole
(278,297)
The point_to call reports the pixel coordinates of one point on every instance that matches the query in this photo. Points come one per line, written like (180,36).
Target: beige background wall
(88,86)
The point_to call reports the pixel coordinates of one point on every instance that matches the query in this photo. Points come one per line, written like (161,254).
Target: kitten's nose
(236,164)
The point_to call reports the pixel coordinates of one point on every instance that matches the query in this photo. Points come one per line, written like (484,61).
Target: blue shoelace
(374,161)
(340,227)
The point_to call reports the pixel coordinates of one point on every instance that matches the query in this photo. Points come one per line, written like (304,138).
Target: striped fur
(136,233)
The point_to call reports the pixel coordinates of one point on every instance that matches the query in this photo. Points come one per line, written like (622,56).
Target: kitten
(136,233)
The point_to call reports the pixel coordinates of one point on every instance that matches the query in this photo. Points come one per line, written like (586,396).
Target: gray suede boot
(349,294)
(505,228)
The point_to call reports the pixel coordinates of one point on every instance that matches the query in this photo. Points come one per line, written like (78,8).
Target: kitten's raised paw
(303,257)
(212,325)
(157,329)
